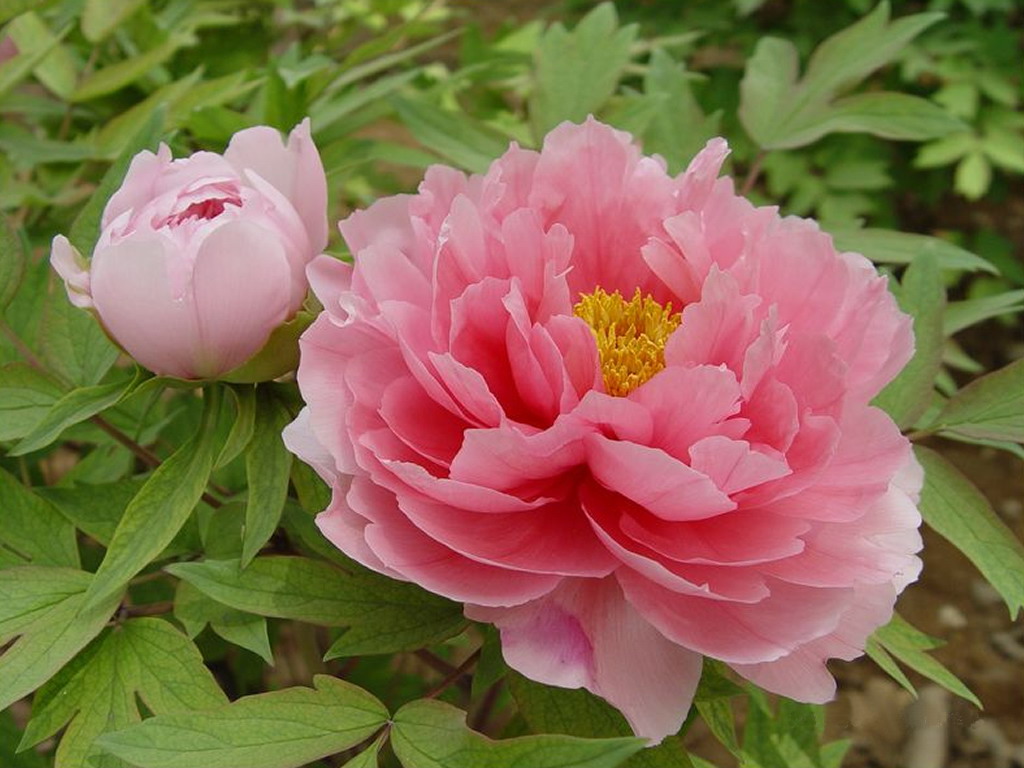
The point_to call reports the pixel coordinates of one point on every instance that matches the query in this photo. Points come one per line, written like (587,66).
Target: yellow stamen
(630,335)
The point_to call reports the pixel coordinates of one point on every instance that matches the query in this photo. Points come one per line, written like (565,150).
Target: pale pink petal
(71,267)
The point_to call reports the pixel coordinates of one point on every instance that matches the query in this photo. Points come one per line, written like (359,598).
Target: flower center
(209,208)
(630,335)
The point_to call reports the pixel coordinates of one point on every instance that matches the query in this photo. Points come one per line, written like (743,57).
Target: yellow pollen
(630,335)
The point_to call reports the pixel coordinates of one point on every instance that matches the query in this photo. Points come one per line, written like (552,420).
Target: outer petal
(295,169)
(68,262)
(585,634)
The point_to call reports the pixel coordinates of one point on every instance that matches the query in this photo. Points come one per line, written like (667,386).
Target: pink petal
(70,265)
(584,634)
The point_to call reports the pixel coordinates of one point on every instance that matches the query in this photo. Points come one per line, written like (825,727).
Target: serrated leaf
(909,645)
(431,734)
(576,72)
(144,657)
(195,610)
(42,607)
(74,407)
(989,408)
(33,529)
(885,246)
(282,729)
(267,467)
(923,297)
(958,511)
(25,397)
(161,507)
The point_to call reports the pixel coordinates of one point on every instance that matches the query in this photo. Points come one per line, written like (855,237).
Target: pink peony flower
(621,415)
(200,259)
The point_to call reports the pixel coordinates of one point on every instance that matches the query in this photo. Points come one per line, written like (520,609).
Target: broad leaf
(267,467)
(195,610)
(283,729)
(989,408)
(116,76)
(923,297)
(957,510)
(26,395)
(12,263)
(73,344)
(161,507)
(456,137)
(96,693)
(101,17)
(885,246)
(964,314)
(431,734)
(42,608)
(32,527)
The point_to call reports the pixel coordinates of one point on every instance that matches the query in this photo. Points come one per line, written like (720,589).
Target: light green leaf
(431,734)
(94,509)
(923,297)
(26,395)
(96,693)
(18,68)
(11,8)
(456,137)
(73,344)
(909,645)
(282,729)
(888,664)
(101,17)
(957,510)
(368,757)
(195,610)
(326,112)
(946,150)
(885,246)
(964,314)
(32,528)
(12,263)
(161,507)
(780,112)
(116,76)
(57,70)
(75,407)
(267,467)
(578,71)
(989,408)
(973,175)
(42,607)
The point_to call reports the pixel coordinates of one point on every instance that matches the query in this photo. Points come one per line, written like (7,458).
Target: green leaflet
(195,610)
(989,408)
(42,607)
(957,510)
(267,467)
(33,529)
(283,729)
(97,692)
(431,734)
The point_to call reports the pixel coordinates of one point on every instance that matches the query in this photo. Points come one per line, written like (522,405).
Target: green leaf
(885,246)
(75,407)
(18,68)
(431,734)
(718,716)
(888,664)
(10,732)
(161,507)
(973,175)
(368,757)
(384,615)
(73,344)
(101,17)
(780,112)
(989,408)
(576,72)
(456,137)
(958,511)
(42,607)
(12,263)
(909,645)
(267,467)
(96,693)
(57,71)
(242,426)
(923,297)
(26,395)
(963,314)
(195,610)
(282,729)
(33,528)
(116,76)
(85,230)
(11,8)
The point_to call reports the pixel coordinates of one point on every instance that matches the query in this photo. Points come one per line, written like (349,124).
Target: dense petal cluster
(201,258)
(621,415)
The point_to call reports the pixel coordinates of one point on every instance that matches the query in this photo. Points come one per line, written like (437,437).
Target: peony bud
(201,258)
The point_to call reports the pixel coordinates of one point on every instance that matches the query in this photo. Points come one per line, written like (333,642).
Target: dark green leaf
(282,729)
(242,426)
(161,507)
(989,408)
(267,467)
(456,137)
(73,344)
(12,263)
(431,734)
(195,610)
(957,510)
(25,397)
(33,528)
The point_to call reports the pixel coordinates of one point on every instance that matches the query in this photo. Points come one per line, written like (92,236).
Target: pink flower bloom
(201,258)
(621,415)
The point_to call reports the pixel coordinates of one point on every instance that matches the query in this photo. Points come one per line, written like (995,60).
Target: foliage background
(393,86)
